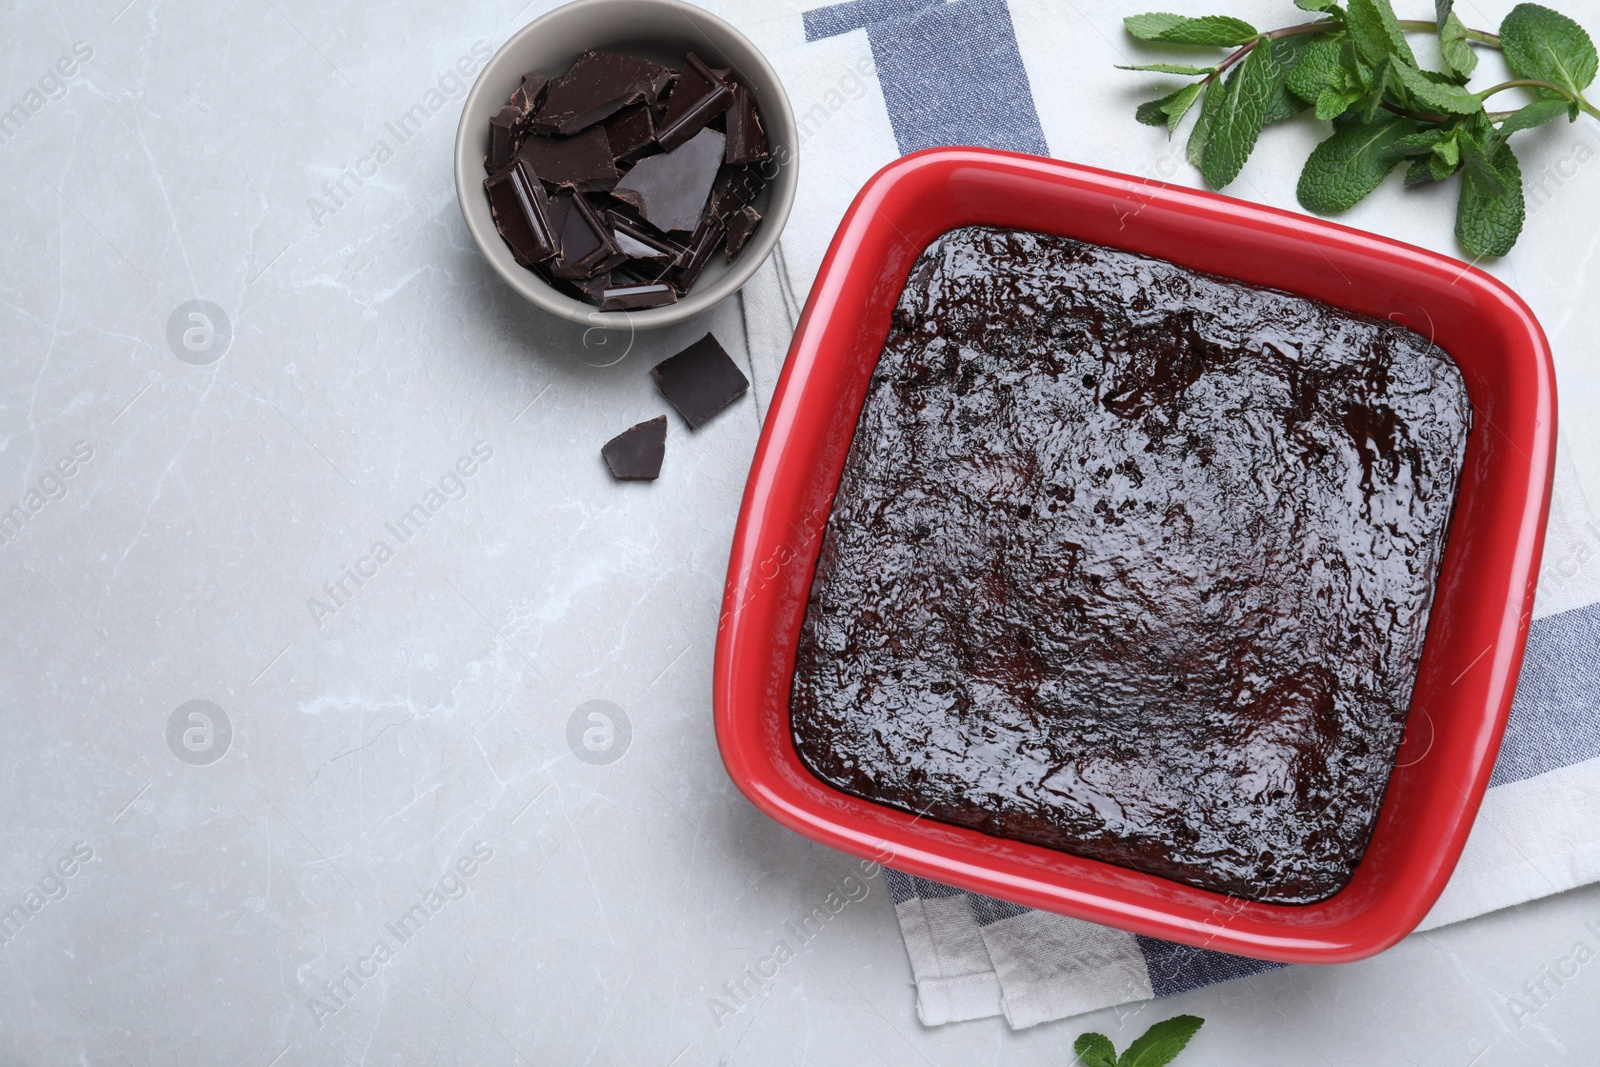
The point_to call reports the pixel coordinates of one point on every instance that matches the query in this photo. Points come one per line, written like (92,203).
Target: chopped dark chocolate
(618,181)
(634,248)
(581,162)
(502,139)
(735,187)
(637,297)
(530,94)
(598,86)
(747,142)
(700,381)
(630,131)
(741,224)
(587,247)
(589,290)
(670,190)
(635,454)
(707,239)
(699,96)
(650,244)
(522,214)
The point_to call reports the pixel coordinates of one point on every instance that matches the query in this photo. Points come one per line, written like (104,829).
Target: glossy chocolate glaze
(1132,562)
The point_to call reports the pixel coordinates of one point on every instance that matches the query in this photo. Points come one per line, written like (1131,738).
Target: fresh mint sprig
(1354,66)
(1156,1047)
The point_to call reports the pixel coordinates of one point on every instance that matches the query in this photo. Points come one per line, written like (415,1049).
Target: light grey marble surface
(188,508)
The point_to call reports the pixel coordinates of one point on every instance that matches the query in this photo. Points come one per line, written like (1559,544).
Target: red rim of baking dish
(1482,604)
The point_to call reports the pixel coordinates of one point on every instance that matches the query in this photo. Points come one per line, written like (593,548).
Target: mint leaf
(1170,108)
(1378,89)
(1335,102)
(1535,114)
(1317,5)
(1419,172)
(1459,58)
(1448,151)
(1547,46)
(1160,1043)
(1347,166)
(1288,53)
(1169,68)
(1435,96)
(1237,116)
(1479,166)
(1376,32)
(1420,143)
(1318,68)
(1201,134)
(1177,29)
(1095,1050)
(1488,221)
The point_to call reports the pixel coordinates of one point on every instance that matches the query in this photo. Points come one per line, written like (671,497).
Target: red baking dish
(1480,613)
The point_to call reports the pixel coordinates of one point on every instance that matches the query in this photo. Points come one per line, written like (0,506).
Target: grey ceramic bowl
(660,30)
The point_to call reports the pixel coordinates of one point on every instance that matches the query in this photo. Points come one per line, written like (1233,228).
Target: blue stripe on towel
(1555,719)
(1180,968)
(951,73)
(858,14)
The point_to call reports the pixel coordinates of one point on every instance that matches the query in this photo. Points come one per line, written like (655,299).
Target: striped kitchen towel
(873,79)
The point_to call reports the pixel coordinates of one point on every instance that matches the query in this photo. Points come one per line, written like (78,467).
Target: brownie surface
(1132,562)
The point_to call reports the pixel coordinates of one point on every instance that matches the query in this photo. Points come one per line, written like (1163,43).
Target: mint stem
(1483,37)
(1270,35)
(1477,36)
(1534,83)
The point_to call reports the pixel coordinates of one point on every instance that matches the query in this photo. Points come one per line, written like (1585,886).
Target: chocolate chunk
(634,248)
(747,142)
(706,240)
(637,297)
(741,225)
(522,213)
(582,161)
(635,454)
(700,381)
(699,96)
(587,247)
(503,129)
(670,190)
(630,131)
(642,242)
(735,187)
(530,94)
(589,290)
(598,86)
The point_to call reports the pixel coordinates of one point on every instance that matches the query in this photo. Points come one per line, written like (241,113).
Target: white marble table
(384,759)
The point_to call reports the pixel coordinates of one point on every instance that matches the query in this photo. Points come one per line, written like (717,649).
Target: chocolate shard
(637,297)
(503,133)
(735,187)
(641,241)
(699,96)
(589,290)
(630,131)
(635,454)
(598,86)
(670,190)
(741,224)
(700,381)
(706,240)
(582,161)
(527,97)
(522,214)
(587,247)
(747,142)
